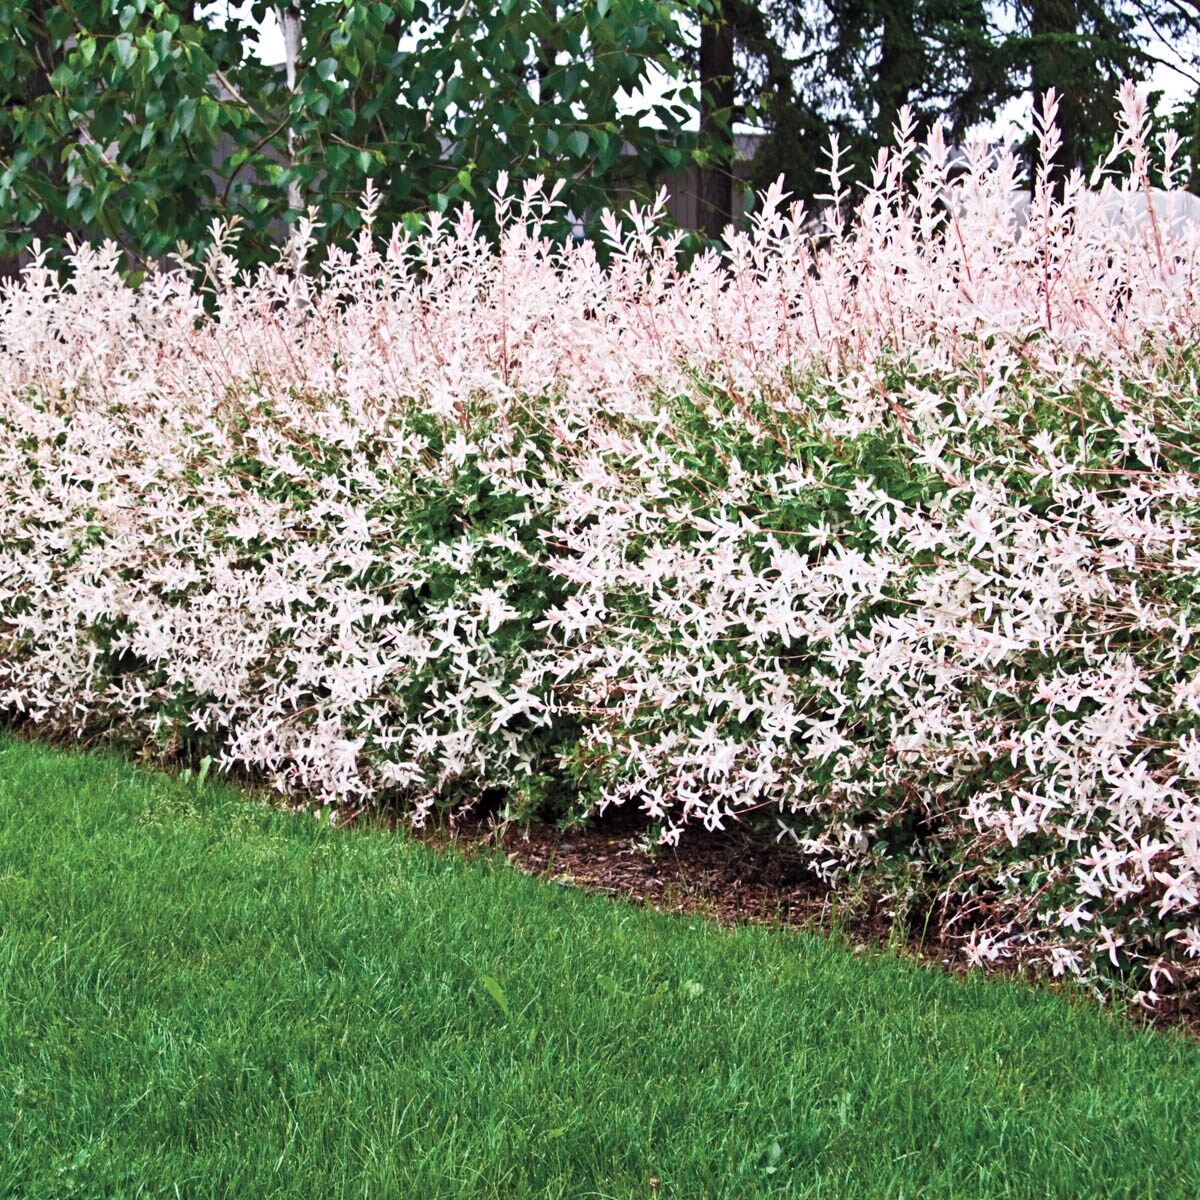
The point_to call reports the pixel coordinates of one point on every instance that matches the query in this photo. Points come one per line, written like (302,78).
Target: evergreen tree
(848,66)
(1082,49)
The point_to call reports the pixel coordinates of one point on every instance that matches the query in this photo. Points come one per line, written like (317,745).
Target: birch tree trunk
(289,25)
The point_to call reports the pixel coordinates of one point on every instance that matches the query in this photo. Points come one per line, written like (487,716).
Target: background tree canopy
(143,120)
(854,63)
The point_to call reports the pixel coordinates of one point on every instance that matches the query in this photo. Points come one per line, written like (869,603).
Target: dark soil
(735,877)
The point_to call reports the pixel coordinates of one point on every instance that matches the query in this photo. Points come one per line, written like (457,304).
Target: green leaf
(143,78)
(609,986)
(496,992)
(124,51)
(571,80)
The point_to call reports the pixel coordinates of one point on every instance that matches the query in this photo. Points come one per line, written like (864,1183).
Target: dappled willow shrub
(887,538)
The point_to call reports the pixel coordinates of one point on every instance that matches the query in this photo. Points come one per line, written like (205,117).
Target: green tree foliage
(139,120)
(941,57)
(433,101)
(113,117)
(848,66)
(1174,28)
(135,120)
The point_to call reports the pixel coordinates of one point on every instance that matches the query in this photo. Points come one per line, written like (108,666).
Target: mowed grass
(200,996)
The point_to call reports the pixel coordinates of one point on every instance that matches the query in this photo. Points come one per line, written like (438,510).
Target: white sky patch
(269,47)
(270,40)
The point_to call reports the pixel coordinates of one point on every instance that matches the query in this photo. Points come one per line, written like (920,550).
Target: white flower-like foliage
(891,537)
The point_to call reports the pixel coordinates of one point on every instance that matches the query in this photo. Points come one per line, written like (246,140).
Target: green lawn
(200,996)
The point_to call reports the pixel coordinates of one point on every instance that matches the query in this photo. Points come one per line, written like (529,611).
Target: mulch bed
(733,877)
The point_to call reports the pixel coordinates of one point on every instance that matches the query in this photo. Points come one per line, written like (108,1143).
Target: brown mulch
(732,876)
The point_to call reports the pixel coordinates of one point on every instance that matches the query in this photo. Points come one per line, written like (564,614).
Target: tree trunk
(716,122)
(289,25)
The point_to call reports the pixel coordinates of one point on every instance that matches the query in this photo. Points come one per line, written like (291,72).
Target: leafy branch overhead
(142,123)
